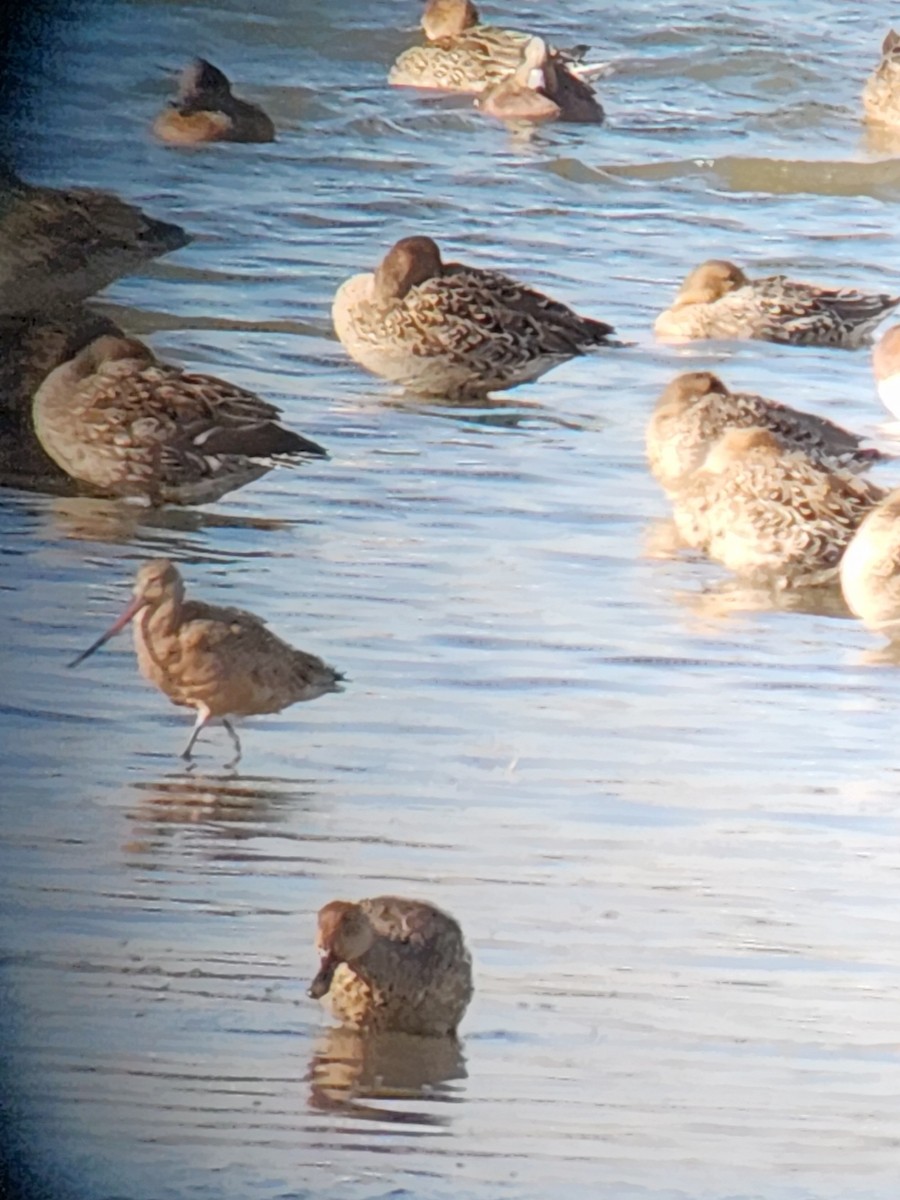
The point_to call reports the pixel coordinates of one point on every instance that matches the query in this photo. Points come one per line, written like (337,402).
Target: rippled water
(665,814)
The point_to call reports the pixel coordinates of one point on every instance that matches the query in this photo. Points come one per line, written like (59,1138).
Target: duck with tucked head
(206,111)
(881,95)
(117,419)
(222,662)
(446,329)
(390,963)
(541,89)
(717,300)
(462,55)
(763,510)
(870,569)
(697,408)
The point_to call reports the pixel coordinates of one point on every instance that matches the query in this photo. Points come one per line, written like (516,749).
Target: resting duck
(462,55)
(881,95)
(61,245)
(445,329)
(206,111)
(117,419)
(541,89)
(717,300)
(763,510)
(392,964)
(697,408)
(870,569)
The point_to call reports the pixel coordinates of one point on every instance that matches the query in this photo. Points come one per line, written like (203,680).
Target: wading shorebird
(541,89)
(206,111)
(392,964)
(696,409)
(117,419)
(223,662)
(446,329)
(764,510)
(61,245)
(717,300)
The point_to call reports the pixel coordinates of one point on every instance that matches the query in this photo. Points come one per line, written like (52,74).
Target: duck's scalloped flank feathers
(763,510)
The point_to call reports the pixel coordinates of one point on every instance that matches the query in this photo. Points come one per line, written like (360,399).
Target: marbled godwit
(717,300)
(870,569)
(206,111)
(117,419)
(886,365)
(541,89)
(696,408)
(881,95)
(58,246)
(223,662)
(762,510)
(392,963)
(445,329)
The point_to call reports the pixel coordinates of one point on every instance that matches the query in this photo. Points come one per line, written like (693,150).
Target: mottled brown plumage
(206,111)
(117,419)
(390,963)
(223,662)
(61,245)
(697,408)
(717,300)
(446,329)
(763,510)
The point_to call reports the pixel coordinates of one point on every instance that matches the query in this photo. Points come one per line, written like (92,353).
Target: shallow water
(662,809)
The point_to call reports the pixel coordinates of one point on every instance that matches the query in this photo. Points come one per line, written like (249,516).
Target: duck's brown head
(201,79)
(448,18)
(107,349)
(690,387)
(344,935)
(736,445)
(409,262)
(710,282)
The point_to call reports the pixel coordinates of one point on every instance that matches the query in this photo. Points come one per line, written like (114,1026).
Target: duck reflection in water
(350,1068)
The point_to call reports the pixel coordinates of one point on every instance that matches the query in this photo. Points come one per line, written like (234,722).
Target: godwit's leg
(202,718)
(232,733)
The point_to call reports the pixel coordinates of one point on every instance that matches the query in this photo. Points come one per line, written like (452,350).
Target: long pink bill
(133,608)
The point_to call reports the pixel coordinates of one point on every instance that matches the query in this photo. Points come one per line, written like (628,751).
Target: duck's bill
(133,608)
(322,982)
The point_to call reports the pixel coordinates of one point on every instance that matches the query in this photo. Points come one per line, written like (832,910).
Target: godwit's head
(710,282)
(155,582)
(409,262)
(448,18)
(344,935)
